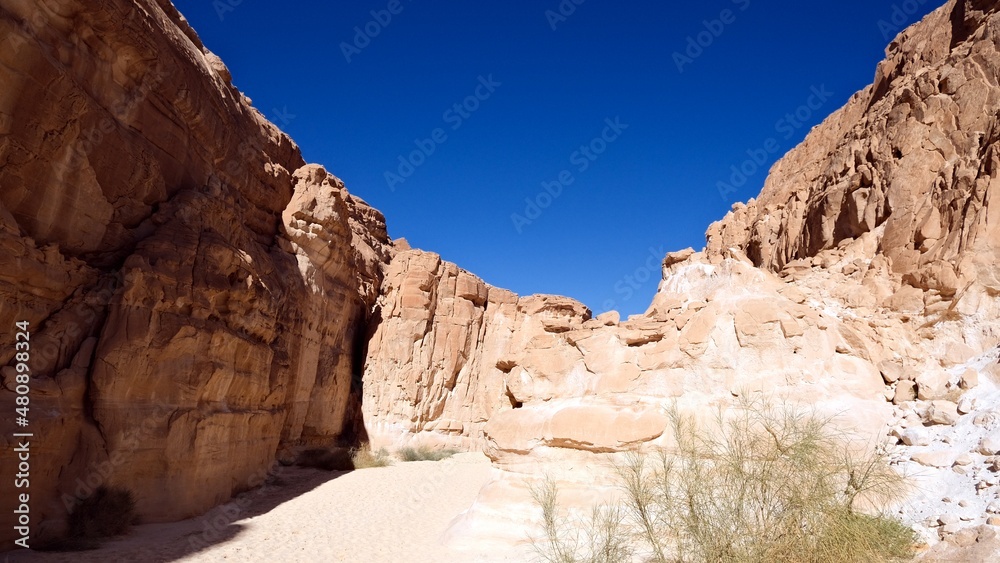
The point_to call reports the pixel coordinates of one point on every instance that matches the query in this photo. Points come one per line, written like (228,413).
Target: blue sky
(551,146)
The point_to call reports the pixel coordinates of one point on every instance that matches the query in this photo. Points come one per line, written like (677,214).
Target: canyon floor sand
(389,514)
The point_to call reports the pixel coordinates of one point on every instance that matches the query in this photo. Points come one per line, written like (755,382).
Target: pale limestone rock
(905,391)
(938,458)
(942,412)
(990,445)
(970,379)
(932,384)
(915,437)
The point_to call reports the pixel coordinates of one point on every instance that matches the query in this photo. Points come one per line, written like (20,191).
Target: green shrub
(765,485)
(106,513)
(425,453)
(363,457)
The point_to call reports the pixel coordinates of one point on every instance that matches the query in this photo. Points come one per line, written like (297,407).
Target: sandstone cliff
(203,301)
(197,295)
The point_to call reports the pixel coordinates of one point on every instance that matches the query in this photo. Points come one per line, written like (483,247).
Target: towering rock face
(911,158)
(439,360)
(196,294)
(201,300)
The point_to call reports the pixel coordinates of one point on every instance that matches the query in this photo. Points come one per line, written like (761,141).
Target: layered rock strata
(198,297)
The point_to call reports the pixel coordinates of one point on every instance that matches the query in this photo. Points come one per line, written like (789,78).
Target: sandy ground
(390,514)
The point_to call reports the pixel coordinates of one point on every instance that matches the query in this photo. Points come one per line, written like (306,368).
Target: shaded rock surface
(196,293)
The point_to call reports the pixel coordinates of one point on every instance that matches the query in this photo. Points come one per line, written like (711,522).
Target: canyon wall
(197,296)
(202,301)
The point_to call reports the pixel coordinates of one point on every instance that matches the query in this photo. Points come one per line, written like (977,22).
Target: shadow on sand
(170,542)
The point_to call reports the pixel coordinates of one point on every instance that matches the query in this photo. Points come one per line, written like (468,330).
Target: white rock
(966,405)
(985,419)
(949,518)
(943,412)
(990,444)
(932,384)
(939,458)
(916,436)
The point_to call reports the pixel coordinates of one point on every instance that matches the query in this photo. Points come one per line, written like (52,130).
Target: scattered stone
(969,379)
(917,436)
(932,384)
(990,444)
(963,460)
(946,519)
(966,405)
(993,520)
(906,390)
(942,412)
(964,537)
(985,419)
(891,371)
(939,458)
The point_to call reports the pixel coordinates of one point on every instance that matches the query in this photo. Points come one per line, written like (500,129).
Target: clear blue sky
(544,93)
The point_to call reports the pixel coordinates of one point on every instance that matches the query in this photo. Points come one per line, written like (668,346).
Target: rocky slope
(197,295)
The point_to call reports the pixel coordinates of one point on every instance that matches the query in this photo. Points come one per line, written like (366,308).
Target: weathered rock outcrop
(862,281)
(439,360)
(198,297)
(201,300)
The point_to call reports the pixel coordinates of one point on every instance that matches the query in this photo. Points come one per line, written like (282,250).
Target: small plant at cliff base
(768,485)
(424,453)
(607,540)
(363,457)
(106,513)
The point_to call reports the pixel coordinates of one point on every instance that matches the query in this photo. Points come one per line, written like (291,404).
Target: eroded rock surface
(197,294)
(203,301)
(862,282)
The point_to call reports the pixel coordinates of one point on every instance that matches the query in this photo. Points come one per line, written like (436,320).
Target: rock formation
(198,296)
(202,301)
(862,282)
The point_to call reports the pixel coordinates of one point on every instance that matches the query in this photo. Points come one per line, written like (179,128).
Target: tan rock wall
(196,293)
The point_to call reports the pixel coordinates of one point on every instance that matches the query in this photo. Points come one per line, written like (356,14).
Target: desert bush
(364,457)
(424,453)
(106,513)
(605,539)
(766,484)
(335,459)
